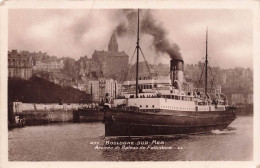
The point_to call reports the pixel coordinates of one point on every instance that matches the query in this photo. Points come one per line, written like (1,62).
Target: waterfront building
(112,63)
(19,65)
(112,88)
(239,96)
(93,89)
(103,88)
(224,78)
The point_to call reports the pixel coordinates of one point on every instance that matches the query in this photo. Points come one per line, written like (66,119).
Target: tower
(113,45)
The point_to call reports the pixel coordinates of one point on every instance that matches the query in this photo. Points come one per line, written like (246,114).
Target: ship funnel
(176,72)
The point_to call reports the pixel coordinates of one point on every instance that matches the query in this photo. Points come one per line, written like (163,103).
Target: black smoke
(149,25)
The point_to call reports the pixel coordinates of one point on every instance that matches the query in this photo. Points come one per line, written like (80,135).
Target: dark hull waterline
(140,124)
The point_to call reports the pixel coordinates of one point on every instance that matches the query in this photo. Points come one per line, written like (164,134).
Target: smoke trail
(149,26)
(129,24)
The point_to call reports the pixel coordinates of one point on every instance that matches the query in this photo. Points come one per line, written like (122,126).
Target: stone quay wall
(19,107)
(36,114)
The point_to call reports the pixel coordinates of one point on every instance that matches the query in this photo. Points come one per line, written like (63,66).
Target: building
(43,62)
(19,65)
(112,88)
(80,86)
(193,72)
(113,63)
(224,78)
(113,45)
(239,98)
(38,56)
(93,90)
(103,88)
(48,65)
(86,67)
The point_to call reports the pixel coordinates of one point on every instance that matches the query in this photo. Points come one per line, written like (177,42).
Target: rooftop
(110,53)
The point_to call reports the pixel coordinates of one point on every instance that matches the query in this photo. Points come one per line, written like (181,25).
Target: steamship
(166,107)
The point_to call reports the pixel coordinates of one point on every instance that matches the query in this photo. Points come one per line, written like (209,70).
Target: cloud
(75,33)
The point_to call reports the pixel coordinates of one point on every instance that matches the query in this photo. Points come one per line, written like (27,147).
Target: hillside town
(104,72)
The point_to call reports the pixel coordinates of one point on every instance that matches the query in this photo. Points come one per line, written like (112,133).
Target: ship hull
(122,123)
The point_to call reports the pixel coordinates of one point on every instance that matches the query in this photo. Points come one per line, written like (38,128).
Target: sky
(79,32)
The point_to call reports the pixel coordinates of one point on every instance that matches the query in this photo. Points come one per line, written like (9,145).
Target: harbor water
(86,142)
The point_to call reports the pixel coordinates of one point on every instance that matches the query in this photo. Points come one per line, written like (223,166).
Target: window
(153,106)
(146,106)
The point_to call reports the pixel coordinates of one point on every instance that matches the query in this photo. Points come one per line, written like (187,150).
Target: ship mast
(137,57)
(206,64)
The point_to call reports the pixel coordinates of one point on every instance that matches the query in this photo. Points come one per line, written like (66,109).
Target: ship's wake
(228,130)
